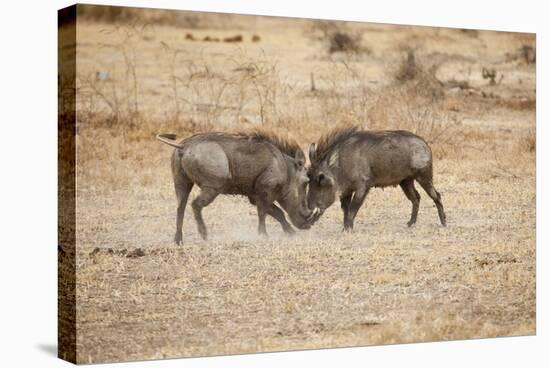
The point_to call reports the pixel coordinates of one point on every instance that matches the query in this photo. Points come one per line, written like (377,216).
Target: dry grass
(141,297)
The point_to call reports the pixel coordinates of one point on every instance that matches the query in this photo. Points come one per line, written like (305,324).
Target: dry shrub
(118,94)
(343,95)
(407,69)
(243,88)
(337,37)
(343,42)
(222,90)
(526,54)
(414,72)
(529,54)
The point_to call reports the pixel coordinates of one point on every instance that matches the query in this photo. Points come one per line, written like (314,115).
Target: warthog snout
(314,216)
(310,218)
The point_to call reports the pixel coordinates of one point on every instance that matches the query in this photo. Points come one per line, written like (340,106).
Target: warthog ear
(299,159)
(312,148)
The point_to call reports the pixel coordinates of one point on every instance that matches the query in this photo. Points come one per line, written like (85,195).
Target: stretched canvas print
(238,184)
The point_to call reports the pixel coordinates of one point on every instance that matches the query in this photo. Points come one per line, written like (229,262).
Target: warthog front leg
(206,196)
(263,204)
(262,212)
(345,201)
(279,215)
(412,194)
(356,203)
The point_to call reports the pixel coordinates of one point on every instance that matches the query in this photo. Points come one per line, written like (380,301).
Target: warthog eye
(320,178)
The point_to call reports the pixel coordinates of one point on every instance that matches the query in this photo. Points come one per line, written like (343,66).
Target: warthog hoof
(348,226)
(203,232)
(178,239)
(290,231)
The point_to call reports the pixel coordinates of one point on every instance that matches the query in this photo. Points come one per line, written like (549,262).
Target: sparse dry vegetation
(141,297)
(337,37)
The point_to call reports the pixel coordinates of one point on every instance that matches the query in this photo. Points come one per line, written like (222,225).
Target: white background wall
(28,180)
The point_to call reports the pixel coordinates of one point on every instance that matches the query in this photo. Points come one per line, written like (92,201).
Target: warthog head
(322,185)
(294,201)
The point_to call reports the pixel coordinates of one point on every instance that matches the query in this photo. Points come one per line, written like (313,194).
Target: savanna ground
(471,94)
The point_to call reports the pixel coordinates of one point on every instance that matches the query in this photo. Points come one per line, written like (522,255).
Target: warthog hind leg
(206,196)
(427,185)
(412,194)
(183,187)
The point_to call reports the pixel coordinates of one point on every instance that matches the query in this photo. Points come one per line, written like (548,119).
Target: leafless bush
(214,91)
(417,75)
(269,91)
(337,37)
(121,99)
(242,88)
(343,94)
(529,54)
(408,69)
(526,53)
(343,42)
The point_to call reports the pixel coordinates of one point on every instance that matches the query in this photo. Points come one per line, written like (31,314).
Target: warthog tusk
(314,213)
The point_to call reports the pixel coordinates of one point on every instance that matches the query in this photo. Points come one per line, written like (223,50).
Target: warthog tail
(169,139)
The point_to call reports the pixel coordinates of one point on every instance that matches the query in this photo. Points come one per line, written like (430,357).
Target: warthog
(259,165)
(350,161)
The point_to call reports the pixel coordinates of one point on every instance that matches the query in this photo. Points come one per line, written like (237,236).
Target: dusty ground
(141,297)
